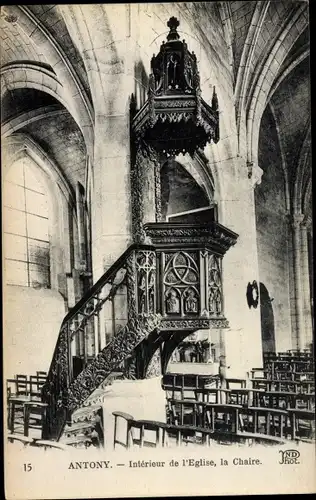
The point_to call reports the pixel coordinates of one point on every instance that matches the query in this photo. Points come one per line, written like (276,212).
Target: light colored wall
(32,319)
(274,232)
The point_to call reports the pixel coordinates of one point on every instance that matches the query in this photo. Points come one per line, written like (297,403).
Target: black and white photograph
(157,249)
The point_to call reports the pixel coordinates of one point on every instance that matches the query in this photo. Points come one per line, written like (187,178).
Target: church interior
(156,166)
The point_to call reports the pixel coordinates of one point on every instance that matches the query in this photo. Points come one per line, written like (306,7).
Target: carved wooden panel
(146,281)
(181,283)
(215,293)
(111,358)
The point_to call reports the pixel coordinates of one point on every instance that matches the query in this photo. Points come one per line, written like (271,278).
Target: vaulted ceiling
(268,42)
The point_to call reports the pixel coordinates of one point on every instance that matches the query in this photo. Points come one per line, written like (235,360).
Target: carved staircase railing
(173,285)
(95,337)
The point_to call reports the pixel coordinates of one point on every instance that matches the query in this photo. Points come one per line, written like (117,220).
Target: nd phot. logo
(289,457)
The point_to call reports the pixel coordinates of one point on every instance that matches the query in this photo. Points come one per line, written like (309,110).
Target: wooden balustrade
(84,327)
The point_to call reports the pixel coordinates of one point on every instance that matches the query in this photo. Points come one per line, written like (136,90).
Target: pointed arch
(264,76)
(303,164)
(74,93)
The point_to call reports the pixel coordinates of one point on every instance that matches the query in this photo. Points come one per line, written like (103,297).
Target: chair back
(127,419)
(147,433)
(21,385)
(222,417)
(36,383)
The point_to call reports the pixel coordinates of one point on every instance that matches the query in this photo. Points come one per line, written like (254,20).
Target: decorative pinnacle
(173,23)
(214,100)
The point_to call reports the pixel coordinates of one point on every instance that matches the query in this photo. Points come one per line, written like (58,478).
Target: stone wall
(32,319)
(274,231)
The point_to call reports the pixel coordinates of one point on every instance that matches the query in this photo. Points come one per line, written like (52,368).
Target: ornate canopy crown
(175,119)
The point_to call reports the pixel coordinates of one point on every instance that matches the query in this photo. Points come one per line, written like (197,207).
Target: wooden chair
(22,388)
(34,416)
(258,373)
(236,383)
(192,381)
(185,412)
(222,417)
(305,376)
(301,424)
(36,383)
(250,438)
(212,395)
(26,441)
(179,392)
(183,435)
(285,400)
(16,399)
(267,421)
(41,443)
(246,397)
(150,433)
(186,435)
(128,419)
(263,384)
(142,433)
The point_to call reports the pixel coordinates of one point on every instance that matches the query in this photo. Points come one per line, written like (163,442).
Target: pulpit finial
(173,23)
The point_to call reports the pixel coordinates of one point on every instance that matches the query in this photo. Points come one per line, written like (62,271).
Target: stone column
(307,313)
(242,341)
(298,289)
(145,189)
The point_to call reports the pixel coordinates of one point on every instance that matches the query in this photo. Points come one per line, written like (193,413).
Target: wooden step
(79,428)
(78,441)
(86,413)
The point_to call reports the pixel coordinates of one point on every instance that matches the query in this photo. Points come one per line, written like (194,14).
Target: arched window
(26,227)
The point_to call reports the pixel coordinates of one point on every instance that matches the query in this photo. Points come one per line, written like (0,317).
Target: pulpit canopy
(175,119)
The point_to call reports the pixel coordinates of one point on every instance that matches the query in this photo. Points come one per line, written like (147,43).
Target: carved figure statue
(151,301)
(172,302)
(218,302)
(191,302)
(188,72)
(173,71)
(215,301)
